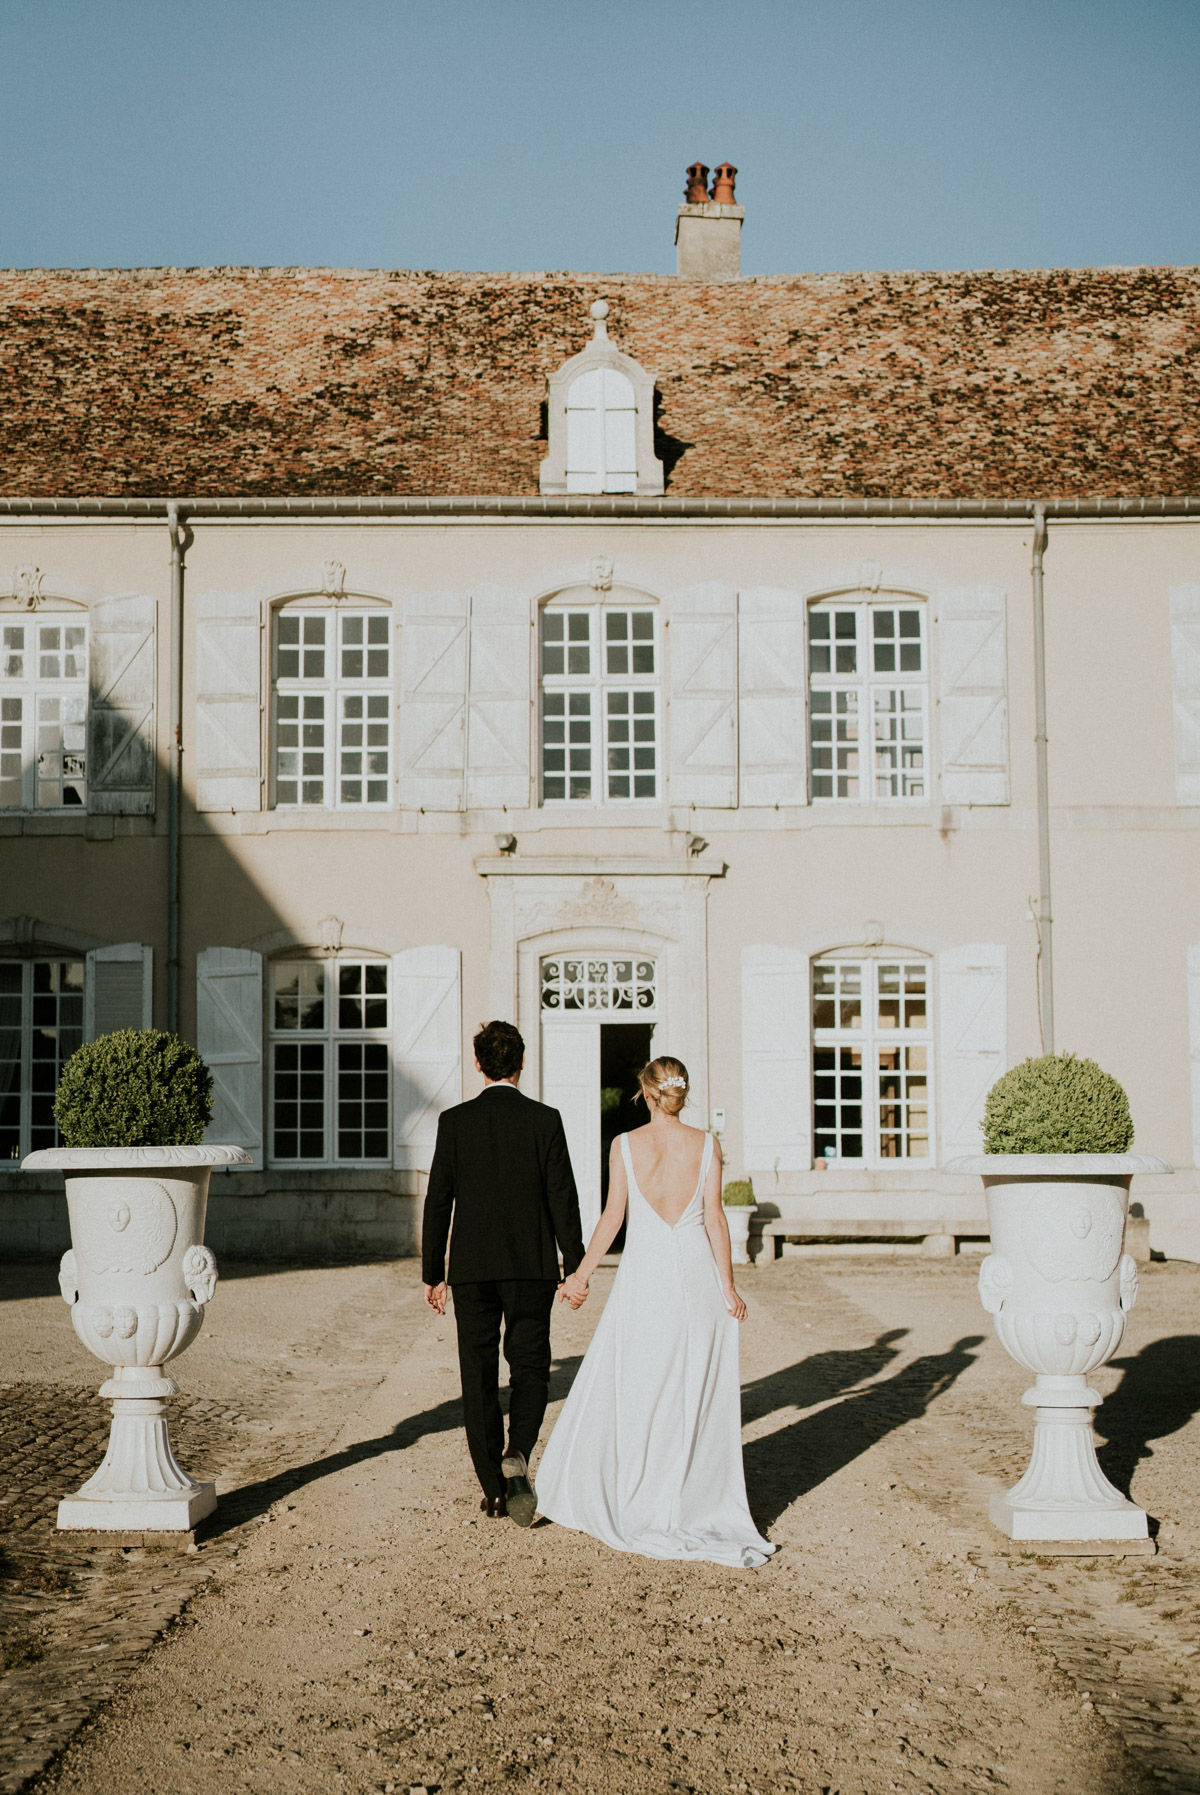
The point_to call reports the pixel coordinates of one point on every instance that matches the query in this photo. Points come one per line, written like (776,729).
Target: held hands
(734,1304)
(435,1296)
(573,1290)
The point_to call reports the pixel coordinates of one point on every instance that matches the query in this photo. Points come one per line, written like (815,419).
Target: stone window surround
(308,598)
(874,954)
(328,956)
(867,597)
(600,353)
(602,594)
(47,607)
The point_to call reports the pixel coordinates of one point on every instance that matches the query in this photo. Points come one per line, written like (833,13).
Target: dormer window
(601,421)
(601,433)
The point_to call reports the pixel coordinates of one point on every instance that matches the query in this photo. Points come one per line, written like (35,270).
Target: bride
(647,1453)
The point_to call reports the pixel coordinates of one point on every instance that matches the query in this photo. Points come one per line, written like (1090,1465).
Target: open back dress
(647,1453)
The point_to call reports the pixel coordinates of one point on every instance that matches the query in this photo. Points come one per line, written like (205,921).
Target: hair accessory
(673,1084)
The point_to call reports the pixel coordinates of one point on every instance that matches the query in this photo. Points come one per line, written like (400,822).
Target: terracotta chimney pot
(724,176)
(696,191)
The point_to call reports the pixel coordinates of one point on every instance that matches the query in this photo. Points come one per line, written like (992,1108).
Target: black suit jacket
(502,1172)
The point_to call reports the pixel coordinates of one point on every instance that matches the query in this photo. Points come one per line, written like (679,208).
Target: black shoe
(521,1501)
(493,1507)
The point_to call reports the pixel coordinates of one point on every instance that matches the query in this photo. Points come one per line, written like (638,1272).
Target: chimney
(708,230)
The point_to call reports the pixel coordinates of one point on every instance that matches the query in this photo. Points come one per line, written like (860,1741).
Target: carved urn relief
(137,1278)
(1059,1286)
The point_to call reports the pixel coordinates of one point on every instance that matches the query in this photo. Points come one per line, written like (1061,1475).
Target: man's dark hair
(499,1049)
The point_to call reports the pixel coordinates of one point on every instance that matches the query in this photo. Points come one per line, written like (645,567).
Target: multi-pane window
(41,1025)
(43,713)
(871,1060)
(333,708)
(591,984)
(867,700)
(600,694)
(330,1074)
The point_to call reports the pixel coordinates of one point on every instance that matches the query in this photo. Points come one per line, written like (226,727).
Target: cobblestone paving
(77,1612)
(874,1383)
(1126,1631)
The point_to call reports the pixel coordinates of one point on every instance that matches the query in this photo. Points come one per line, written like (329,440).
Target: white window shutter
(773,681)
(498,705)
(228,746)
(972,1040)
(118,989)
(427,1049)
(585,432)
(776,1089)
(1193,996)
(1185,690)
(702,687)
(229,1038)
(620,432)
(121,672)
(433,698)
(973,666)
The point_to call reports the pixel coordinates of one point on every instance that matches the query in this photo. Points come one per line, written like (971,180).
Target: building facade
(694,709)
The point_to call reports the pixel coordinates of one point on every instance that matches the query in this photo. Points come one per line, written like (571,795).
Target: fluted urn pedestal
(137,1277)
(1059,1286)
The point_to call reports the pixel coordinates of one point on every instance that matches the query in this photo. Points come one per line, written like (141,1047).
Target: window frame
(27,998)
(334,687)
(867,681)
(607,383)
(330,1035)
(31,689)
(599,683)
(600,354)
(594,986)
(870,1040)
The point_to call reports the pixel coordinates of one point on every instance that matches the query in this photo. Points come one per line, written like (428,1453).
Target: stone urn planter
(1060,1285)
(738,1214)
(137,1277)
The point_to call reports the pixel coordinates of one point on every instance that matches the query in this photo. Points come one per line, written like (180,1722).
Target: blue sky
(544,134)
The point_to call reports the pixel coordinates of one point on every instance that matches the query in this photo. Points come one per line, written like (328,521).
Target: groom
(502,1172)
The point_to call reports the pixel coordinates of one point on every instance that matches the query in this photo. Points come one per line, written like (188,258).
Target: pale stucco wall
(1126,857)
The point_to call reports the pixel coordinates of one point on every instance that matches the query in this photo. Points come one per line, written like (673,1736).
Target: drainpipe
(181,542)
(1045,918)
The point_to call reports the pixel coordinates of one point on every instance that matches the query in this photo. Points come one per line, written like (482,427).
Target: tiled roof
(230,381)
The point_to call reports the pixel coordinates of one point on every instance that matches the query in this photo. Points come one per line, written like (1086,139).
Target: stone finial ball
(599,309)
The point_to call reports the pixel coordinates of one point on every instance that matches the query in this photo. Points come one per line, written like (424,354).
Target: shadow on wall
(95,894)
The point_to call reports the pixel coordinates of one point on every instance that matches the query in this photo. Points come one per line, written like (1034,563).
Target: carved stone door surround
(658,909)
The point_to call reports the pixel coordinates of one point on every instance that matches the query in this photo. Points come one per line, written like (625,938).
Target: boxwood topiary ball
(1057,1104)
(738,1194)
(137,1087)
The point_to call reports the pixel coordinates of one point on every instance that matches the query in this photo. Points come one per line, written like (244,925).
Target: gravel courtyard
(349,1620)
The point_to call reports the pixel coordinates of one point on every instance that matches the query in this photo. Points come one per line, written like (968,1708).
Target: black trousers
(524,1305)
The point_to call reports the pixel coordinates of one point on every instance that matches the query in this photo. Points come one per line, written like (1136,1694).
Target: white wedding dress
(647,1453)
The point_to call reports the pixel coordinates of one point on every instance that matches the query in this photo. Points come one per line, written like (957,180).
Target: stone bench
(934,1239)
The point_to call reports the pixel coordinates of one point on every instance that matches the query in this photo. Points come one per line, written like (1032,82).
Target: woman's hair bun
(666,1080)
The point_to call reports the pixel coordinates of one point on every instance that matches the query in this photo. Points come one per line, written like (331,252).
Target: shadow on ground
(787,1464)
(1158,1394)
(254,1499)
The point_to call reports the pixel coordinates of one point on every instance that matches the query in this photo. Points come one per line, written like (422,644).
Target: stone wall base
(307,1224)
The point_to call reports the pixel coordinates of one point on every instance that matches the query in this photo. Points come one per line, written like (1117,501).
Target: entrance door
(571,1085)
(624,1050)
(591,1045)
